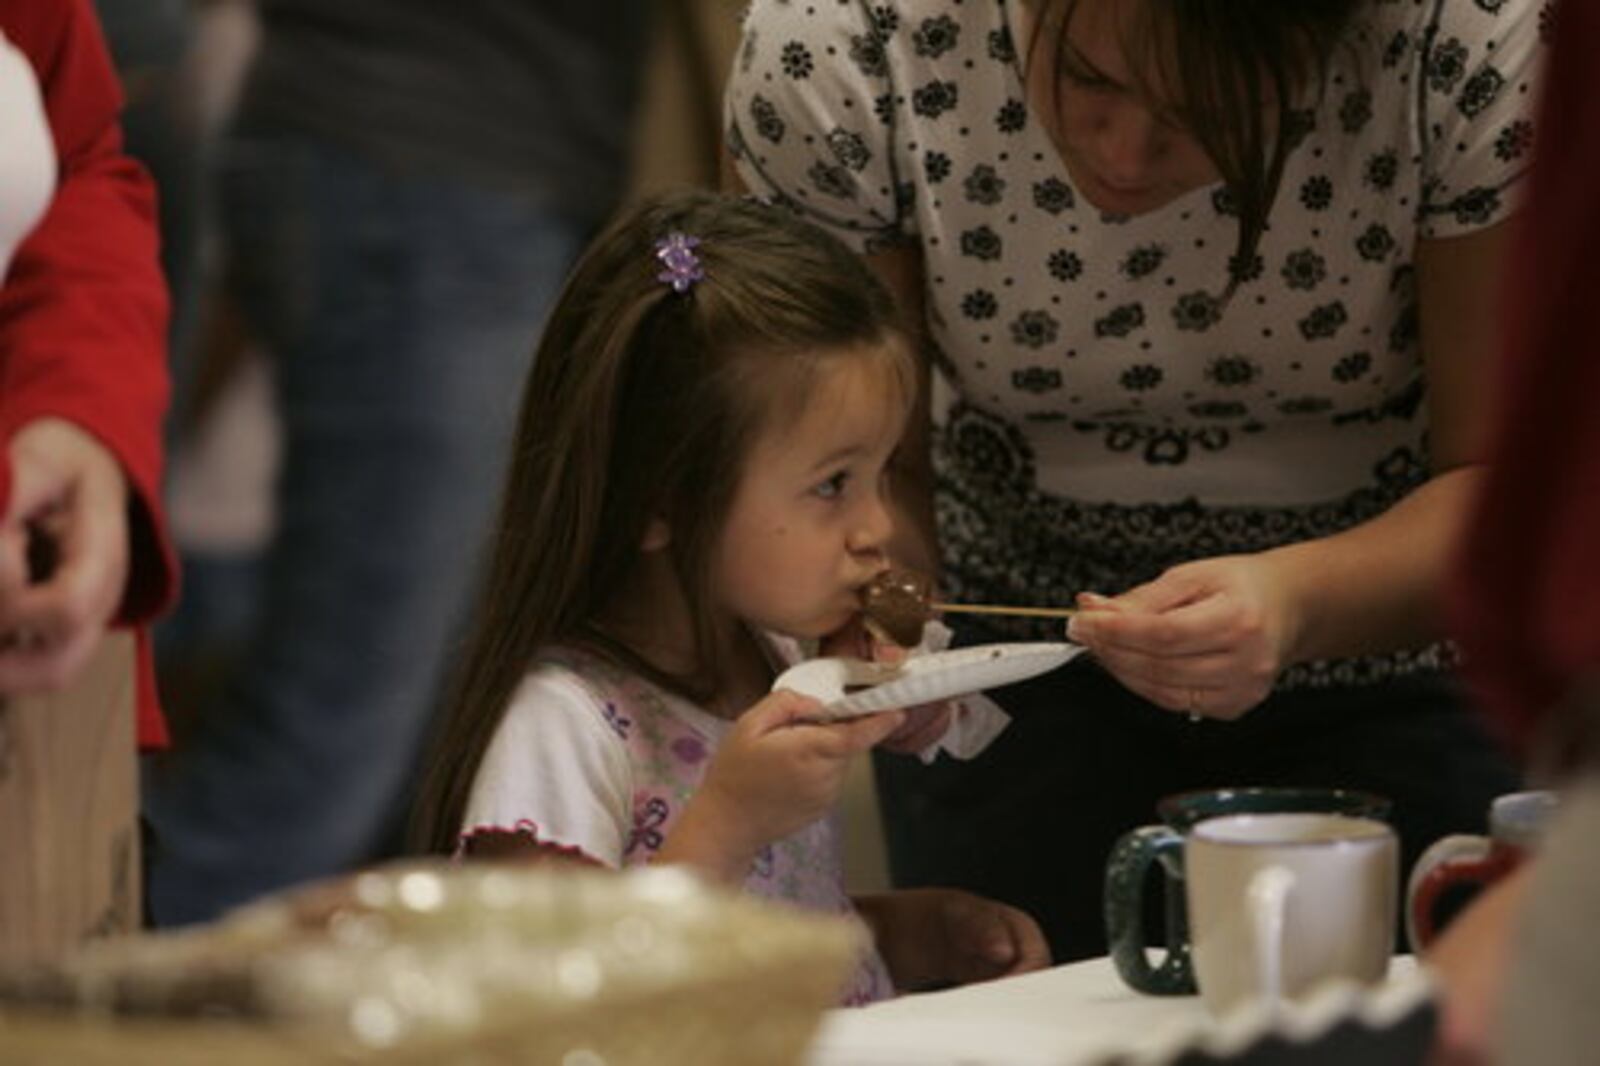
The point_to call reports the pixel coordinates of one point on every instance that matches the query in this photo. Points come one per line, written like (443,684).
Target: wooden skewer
(993,608)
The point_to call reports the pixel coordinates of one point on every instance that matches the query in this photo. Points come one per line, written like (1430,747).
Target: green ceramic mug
(1162,844)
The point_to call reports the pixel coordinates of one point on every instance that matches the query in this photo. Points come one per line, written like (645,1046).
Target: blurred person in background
(1519,967)
(402,189)
(83,382)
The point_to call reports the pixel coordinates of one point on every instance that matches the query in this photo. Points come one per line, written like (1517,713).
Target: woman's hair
(1237,68)
(643,404)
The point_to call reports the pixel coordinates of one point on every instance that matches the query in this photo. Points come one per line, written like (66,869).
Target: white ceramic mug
(1516,825)
(1279,903)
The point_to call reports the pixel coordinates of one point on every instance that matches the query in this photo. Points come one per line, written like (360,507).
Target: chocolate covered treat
(897,604)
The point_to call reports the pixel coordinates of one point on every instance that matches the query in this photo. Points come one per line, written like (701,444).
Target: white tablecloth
(1057,1017)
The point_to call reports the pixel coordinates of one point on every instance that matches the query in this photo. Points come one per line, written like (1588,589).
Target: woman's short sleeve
(809,114)
(555,771)
(1480,64)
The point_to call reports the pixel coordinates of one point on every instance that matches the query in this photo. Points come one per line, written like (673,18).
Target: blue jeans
(401,312)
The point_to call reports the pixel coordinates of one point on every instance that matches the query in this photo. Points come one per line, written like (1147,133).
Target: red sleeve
(1526,602)
(83,312)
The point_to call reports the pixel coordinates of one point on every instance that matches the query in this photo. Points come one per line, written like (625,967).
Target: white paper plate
(922,679)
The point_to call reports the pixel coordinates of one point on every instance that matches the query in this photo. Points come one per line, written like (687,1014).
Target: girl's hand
(778,770)
(1208,638)
(63,553)
(941,936)
(924,723)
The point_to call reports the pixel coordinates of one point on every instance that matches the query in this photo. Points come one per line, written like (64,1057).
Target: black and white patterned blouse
(1105,414)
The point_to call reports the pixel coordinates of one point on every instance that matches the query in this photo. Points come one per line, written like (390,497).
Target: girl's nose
(1131,141)
(874,527)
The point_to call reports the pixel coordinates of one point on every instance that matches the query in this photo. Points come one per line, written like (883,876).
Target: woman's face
(1126,152)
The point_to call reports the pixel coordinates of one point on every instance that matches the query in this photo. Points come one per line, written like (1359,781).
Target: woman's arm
(1210,637)
(1379,584)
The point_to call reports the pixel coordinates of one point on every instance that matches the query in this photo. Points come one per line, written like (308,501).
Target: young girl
(699,483)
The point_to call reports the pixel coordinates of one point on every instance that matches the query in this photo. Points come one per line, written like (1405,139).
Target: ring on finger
(1194,705)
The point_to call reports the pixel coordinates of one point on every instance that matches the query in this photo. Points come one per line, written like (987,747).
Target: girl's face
(1126,153)
(810,519)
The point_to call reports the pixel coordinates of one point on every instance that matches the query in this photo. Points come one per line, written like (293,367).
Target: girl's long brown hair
(642,404)
(1238,68)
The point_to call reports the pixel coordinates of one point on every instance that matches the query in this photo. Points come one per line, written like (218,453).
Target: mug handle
(1124,903)
(1268,904)
(1460,856)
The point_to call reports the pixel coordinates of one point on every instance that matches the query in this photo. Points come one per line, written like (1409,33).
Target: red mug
(1516,823)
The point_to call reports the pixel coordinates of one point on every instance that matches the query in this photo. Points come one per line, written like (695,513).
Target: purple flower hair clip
(681,266)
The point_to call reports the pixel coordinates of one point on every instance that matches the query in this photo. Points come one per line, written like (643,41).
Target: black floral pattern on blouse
(1052,547)
(1153,342)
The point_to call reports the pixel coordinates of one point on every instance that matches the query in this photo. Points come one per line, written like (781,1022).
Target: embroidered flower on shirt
(619,723)
(1304,269)
(1012,116)
(689,749)
(936,165)
(984,185)
(1036,379)
(1480,91)
(1052,195)
(1000,47)
(1475,207)
(1317,193)
(1142,377)
(647,823)
(1352,367)
(935,36)
(1375,243)
(1355,111)
(797,61)
(1514,142)
(1120,322)
(1448,65)
(850,149)
(981,243)
(1382,169)
(1395,50)
(1145,259)
(766,119)
(1323,321)
(1064,265)
(1197,311)
(934,98)
(1232,371)
(1034,329)
(979,304)
(867,53)
(832,180)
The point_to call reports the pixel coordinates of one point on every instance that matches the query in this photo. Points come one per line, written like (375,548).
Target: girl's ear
(656,536)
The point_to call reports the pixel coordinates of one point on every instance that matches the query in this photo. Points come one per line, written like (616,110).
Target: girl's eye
(833,488)
(1084,80)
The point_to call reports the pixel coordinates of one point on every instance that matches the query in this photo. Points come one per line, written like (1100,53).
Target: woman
(1207,289)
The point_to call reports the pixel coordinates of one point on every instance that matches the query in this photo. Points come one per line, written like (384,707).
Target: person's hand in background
(63,553)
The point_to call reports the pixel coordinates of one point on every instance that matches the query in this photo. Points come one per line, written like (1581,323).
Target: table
(1077,1013)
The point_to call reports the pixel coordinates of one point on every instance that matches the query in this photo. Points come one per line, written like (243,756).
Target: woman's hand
(778,769)
(1207,638)
(63,553)
(940,936)
(924,723)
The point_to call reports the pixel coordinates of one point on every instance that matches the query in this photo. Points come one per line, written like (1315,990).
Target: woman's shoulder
(869,37)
